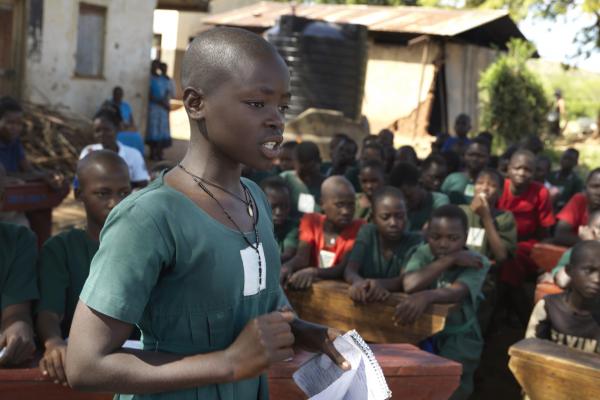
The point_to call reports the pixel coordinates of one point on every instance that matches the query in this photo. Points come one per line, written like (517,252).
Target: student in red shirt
(576,212)
(325,240)
(531,206)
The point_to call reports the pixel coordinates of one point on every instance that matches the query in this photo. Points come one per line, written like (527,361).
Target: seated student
(128,134)
(305,180)
(419,201)
(105,132)
(343,161)
(385,137)
(459,143)
(543,168)
(371,177)
(372,151)
(325,239)
(492,232)
(572,318)
(285,161)
(18,288)
(444,271)
(566,179)
(381,250)
(459,186)
(286,229)
(434,170)
(529,201)
(65,259)
(334,143)
(575,213)
(406,154)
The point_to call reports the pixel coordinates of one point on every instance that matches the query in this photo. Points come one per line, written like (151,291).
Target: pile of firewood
(53,140)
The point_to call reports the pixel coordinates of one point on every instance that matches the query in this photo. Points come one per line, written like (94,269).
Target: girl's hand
(411,308)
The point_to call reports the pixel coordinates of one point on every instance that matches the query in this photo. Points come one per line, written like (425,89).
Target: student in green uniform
(381,250)
(419,202)
(65,259)
(192,259)
(445,271)
(286,156)
(566,180)
(492,232)
(286,229)
(18,288)
(434,170)
(372,178)
(372,151)
(459,185)
(305,180)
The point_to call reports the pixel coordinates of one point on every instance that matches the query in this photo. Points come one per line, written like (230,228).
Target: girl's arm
(412,307)
(494,240)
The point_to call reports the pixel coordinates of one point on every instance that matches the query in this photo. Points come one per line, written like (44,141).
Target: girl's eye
(283,109)
(256,104)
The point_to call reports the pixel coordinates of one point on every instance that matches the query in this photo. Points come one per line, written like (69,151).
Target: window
(90,41)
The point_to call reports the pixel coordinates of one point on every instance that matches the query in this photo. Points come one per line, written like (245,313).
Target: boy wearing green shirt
(286,229)
(372,178)
(18,288)
(65,259)
(419,202)
(381,250)
(445,271)
(459,186)
(192,259)
(305,180)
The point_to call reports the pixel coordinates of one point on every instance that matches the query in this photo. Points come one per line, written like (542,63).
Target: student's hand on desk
(264,341)
(17,342)
(411,308)
(358,291)
(303,279)
(52,363)
(375,292)
(284,275)
(466,258)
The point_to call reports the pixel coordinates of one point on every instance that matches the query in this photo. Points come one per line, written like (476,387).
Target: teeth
(270,145)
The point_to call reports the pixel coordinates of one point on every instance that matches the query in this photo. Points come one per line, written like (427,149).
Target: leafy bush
(513,101)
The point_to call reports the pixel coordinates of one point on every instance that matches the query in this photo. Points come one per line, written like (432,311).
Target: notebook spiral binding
(355,336)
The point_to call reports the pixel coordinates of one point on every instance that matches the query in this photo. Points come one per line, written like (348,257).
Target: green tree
(513,101)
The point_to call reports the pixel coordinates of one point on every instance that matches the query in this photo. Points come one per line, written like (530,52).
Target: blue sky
(554,39)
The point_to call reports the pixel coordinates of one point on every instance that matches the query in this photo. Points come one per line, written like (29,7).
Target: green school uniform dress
(459,188)
(64,266)
(367,253)
(567,187)
(418,218)
(477,239)
(18,255)
(461,340)
(297,188)
(361,212)
(287,235)
(187,281)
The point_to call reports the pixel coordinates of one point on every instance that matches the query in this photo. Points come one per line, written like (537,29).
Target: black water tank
(327,62)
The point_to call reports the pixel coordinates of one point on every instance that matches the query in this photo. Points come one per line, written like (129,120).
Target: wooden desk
(328,303)
(546,370)
(411,374)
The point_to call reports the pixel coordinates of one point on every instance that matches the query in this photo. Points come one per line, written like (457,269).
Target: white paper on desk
(321,379)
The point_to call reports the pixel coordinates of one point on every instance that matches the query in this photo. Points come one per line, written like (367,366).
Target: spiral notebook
(321,379)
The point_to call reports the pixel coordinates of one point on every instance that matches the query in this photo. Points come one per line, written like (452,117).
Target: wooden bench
(546,256)
(546,370)
(411,374)
(328,303)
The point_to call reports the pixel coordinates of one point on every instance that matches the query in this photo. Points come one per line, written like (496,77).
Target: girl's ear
(194,102)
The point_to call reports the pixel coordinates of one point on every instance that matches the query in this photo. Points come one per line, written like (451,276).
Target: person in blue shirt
(459,143)
(128,134)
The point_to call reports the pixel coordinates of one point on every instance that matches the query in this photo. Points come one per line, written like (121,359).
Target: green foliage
(513,101)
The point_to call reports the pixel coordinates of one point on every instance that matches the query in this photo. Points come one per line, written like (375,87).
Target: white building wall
(52,80)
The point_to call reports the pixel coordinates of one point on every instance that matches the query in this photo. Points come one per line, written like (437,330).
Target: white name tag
(255,277)
(326,259)
(476,236)
(306,203)
(469,190)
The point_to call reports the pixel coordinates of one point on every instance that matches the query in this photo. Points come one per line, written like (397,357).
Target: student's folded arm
(391,284)
(564,236)
(454,293)
(351,274)
(419,280)
(95,360)
(335,272)
(495,241)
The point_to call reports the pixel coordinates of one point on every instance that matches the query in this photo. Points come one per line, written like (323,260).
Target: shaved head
(335,185)
(102,162)
(215,55)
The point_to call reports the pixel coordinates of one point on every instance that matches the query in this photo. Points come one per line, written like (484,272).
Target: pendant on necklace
(250,210)
(332,241)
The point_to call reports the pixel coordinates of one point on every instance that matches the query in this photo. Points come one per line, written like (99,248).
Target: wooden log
(546,370)
(328,303)
(411,374)
(546,256)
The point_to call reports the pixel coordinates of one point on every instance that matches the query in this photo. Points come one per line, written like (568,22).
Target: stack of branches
(53,139)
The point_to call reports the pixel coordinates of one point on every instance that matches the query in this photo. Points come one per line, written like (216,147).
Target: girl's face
(487,186)
(370,179)
(389,215)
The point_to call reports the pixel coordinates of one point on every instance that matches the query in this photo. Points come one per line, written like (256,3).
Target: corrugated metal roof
(413,20)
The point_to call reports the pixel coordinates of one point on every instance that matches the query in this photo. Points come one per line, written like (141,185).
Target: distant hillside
(581,88)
